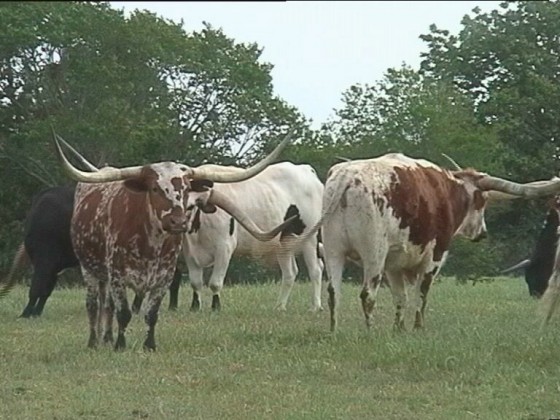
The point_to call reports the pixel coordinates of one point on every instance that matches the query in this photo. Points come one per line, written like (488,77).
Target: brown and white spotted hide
(269,198)
(397,215)
(129,233)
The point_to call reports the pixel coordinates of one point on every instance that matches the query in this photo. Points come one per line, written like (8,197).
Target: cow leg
(550,300)
(373,264)
(137,302)
(216,283)
(40,305)
(92,307)
(102,290)
(368,295)
(334,265)
(154,301)
(398,290)
(424,289)
(289,269)
(107,309)
(28,310)
(42,283)
(315,270)
(50,283)
(118,293)
(174,290)
(197,282)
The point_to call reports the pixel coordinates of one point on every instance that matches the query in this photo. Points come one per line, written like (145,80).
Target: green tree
(223,97)
(508,62)
(124,91)
(408,113)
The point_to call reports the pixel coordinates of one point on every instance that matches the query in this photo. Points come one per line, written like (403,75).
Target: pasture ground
(482,355)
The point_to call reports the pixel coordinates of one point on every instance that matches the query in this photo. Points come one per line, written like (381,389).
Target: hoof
(280,307)
(120,344)
(195,305)
(149,346)
(108,337)
(216,305)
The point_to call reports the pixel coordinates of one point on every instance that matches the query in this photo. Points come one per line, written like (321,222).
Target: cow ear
(137,185)
(207,208)
(201,185)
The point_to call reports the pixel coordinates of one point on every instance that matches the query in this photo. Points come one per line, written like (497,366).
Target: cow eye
(190,207)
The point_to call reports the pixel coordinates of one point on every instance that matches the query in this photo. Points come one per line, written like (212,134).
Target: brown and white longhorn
(127,229)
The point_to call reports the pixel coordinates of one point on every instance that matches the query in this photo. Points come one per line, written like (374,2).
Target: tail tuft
(10,281)
(550,300)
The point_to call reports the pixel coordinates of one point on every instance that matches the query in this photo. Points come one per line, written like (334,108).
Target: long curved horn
(105,175)
(237,176)
(495,196)
(222,201)
(455,164)
(82,159)
(343,159)
(530,190)
(517,266)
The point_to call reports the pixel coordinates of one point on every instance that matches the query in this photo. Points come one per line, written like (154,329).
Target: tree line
(127,90)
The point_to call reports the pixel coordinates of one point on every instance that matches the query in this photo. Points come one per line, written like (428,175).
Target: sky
(320,49)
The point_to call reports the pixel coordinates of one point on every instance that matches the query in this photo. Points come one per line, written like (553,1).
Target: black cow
(48,246)
(538,268)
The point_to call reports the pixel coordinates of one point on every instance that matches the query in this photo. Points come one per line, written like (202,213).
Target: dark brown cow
(127,229)
(398,215)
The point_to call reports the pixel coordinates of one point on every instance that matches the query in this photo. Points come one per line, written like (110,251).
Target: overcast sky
(320,49)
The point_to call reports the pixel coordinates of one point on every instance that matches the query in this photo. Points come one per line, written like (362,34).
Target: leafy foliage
(508,62)
(125,91)
(409,113)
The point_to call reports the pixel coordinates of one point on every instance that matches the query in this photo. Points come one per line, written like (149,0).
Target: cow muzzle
(175,223)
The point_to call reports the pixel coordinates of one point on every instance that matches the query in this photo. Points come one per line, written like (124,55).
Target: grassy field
(482,355)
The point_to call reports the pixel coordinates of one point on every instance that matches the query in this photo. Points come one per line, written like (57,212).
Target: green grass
(482,355)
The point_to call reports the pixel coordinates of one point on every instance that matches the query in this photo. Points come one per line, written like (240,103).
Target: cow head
(483,188)
(167,184)
(474,225)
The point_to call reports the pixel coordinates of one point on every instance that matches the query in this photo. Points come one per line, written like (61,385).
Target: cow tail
(19,259)
(551,298)
(294,244)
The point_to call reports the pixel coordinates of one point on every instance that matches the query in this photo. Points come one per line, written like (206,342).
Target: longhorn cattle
(398,215)
(539,267)
(280,191)
(127,229)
